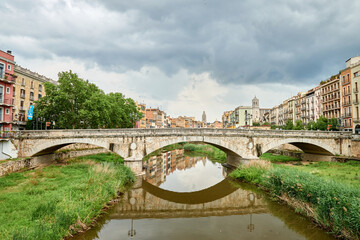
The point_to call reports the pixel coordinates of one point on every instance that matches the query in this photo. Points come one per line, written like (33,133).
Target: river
(189,197)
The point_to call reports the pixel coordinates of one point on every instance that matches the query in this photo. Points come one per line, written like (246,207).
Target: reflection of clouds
(199,177)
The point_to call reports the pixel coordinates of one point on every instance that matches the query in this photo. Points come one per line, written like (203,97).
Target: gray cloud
(236,41)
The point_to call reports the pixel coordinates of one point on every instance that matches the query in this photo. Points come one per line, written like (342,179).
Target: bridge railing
(173,132)
(9,134)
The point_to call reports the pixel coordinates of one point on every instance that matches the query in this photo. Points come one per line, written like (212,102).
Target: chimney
(9,52)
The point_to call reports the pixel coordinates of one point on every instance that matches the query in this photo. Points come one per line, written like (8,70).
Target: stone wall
(45,160)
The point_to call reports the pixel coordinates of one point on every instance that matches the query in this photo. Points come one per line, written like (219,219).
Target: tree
(311,126)
(76,103)
(256,124)
(289,125)
(321,123)
(334,124)
(298,125)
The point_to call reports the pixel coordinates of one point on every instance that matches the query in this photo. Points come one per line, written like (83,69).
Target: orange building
(7,80)
(346,99)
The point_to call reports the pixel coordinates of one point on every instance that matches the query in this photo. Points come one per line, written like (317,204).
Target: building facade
(28,88)
(346,100)
(7,80)
(355,74)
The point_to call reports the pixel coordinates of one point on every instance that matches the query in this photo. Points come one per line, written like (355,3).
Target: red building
(7,79)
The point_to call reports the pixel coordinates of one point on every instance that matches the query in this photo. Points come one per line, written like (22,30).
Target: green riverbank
(332,203)
(213,153)
(58,200)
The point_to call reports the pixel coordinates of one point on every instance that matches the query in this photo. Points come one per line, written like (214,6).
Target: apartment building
(142,122)
(330,91)
(7,80)
(226,120)
(346,99)
(355,75)
(28,88)
(155,118)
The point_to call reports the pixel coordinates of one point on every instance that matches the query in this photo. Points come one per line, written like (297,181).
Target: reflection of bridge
(222,199)
(134,144)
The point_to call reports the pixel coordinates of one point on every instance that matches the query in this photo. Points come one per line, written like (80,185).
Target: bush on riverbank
(333,205)
(210,151)
(44,203)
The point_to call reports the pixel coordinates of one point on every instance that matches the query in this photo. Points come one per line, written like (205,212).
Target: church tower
(255,110)
(204,118)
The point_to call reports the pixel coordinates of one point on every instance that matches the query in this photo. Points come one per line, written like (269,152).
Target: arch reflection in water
(178,172)
(227,210)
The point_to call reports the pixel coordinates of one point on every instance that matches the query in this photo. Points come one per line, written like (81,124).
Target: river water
(188,197)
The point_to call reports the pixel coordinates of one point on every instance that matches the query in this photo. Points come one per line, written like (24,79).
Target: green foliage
(44,203)
(266,124)
(278,158)
(211,152)
(256,124)
(311,126)
(298,125)
(334,205)
(76,103)
(251,174)
(288,125)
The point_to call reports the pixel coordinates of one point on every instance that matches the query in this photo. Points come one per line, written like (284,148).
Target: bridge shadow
(218,191)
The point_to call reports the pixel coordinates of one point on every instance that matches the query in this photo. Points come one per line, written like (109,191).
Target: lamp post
(248,116)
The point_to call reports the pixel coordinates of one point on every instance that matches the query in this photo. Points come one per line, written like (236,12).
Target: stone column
(135,165)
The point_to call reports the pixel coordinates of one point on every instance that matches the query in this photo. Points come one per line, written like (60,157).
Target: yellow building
(28,88)
(142,122)
(355,73)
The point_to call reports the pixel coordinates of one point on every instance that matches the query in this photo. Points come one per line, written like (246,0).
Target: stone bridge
(134,144)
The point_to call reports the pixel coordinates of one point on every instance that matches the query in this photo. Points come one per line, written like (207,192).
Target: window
(356,74)
(23,82)
(7,111)
(9,67)
(7,90)
(40,88)
(39,96)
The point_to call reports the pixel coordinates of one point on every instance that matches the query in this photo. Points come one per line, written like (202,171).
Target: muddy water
(183,197)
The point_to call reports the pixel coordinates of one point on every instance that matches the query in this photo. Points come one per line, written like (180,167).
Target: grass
(348,173)
(278,158)
(55,201)
(332,204)
(213,153)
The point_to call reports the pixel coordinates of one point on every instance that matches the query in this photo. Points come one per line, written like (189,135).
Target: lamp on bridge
(132,231)
(251,226)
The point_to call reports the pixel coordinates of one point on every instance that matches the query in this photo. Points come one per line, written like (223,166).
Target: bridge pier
(235,160)
(135,165)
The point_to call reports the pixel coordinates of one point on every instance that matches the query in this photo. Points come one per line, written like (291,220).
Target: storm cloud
(236,43)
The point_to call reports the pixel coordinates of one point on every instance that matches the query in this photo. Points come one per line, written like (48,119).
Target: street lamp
(248,116)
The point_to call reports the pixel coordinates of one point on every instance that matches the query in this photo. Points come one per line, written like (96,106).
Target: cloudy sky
(186,56)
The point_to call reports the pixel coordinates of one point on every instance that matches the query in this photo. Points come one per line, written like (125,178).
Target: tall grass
(334,205)
(64,198)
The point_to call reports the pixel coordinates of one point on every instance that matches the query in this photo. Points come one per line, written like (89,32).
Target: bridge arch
(311,146)
(215,192)
(226,146)
(49,147)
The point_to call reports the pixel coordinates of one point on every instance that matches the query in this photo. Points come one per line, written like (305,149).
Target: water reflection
(176,171)
(222,210)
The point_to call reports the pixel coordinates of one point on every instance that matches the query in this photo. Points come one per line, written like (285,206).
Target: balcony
(356,102)
(346,115)
(347,93)
(31,98)
(6,102)
(356,120)
(355,90)
(346,104)
(9,78)
(22,95)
